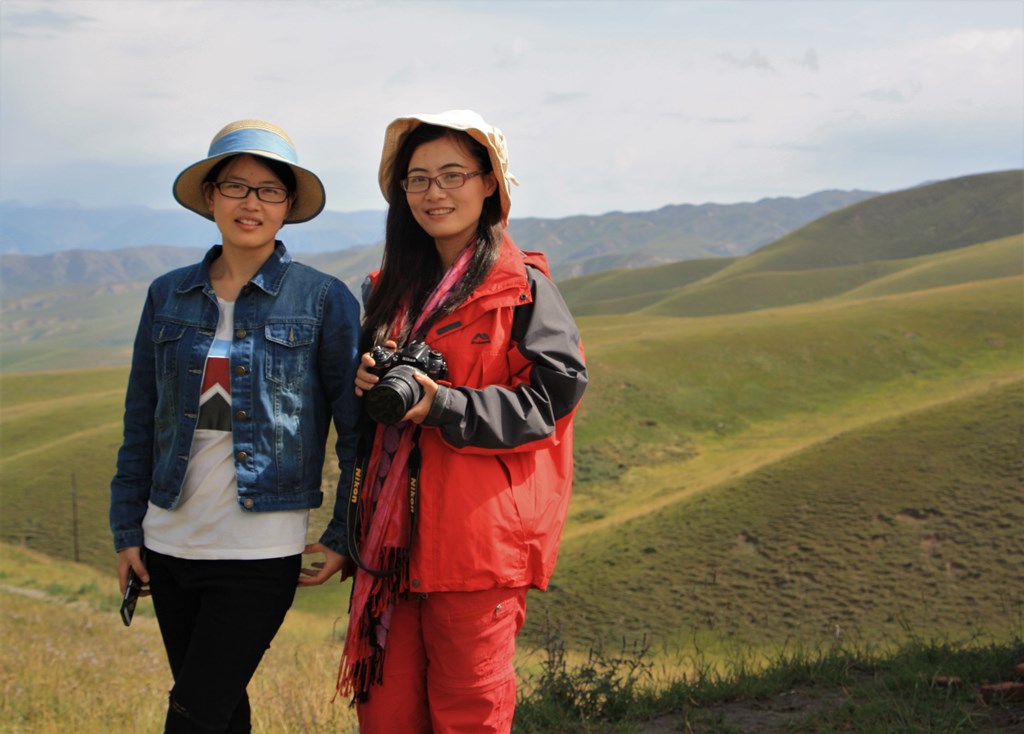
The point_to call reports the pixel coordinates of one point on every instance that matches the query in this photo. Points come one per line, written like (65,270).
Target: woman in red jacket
(476,374)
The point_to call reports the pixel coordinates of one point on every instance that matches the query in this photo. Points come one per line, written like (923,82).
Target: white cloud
(809,60)
(607,105)
(22,22)
(754,60)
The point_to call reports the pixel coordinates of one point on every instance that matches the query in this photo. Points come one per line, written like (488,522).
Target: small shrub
(605,688)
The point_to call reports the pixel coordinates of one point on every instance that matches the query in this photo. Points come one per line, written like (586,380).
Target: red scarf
(384,536)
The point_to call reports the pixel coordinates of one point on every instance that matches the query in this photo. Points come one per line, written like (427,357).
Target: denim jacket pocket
(166,342)
(288,350)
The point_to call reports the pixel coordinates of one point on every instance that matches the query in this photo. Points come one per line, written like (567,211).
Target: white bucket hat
(260,139)
(466,120)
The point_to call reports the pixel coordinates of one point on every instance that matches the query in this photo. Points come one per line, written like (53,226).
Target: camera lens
(394,395)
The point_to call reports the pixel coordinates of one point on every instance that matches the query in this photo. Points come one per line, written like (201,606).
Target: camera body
(397,391)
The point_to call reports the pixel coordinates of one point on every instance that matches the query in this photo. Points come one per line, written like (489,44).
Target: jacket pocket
(167,342)
(520,468)
(288,352)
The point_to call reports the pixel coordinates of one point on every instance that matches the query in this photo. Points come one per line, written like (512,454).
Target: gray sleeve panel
(500,418)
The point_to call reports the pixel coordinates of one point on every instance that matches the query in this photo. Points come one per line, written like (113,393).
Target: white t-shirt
(208,522)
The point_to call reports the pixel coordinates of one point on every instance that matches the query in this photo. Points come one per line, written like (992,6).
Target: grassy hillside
(997,259)
(623,291)
(54,426)
(70,667)
(707,505)
(752,291)
(706,288)
(59,428)
(94,325)
(934,218)
(912,523)
(676,406)
(659,382)
(951,232)
(74,326)
(65,654)
(763,454)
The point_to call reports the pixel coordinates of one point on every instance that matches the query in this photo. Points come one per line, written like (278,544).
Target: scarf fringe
(362,661)
(355,679)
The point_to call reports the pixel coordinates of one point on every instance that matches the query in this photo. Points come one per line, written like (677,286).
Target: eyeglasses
(449,180)
(235,190)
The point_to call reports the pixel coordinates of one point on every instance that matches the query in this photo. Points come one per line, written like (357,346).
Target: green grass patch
(911,522)
(667,382)
(919,221)
(828,689)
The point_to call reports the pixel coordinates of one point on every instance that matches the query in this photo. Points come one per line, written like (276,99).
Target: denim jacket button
(247,504)
(240,370)
(241,415)
(241,456)
(240,334)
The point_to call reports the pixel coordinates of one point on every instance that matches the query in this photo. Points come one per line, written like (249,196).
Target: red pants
(448,666)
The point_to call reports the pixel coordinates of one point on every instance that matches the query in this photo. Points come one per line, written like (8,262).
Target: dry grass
(70,667)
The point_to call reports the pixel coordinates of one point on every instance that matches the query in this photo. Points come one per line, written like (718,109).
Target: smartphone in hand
(131,597)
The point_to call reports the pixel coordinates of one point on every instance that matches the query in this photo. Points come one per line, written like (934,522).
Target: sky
(607,106)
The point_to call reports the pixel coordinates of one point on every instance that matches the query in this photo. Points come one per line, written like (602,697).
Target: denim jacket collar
(268,278)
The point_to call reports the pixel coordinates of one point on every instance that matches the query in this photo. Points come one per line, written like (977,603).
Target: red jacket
(497,445)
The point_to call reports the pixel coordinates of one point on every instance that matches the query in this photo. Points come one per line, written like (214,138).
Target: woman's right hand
(132,558)
(365,378)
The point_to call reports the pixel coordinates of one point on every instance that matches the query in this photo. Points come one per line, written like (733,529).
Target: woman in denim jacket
(240,364)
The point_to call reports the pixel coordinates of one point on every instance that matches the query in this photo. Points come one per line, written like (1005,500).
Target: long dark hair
(411,266)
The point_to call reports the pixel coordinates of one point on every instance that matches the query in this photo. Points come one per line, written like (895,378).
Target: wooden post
(74,515)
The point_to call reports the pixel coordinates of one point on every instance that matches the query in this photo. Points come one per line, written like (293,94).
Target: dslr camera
(397,391)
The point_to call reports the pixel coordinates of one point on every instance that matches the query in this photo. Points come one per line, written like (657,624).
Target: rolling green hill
(762,455)
(623,291)
(56,426)
(752,291)
(990,260)
(951,232)
(919,221)
(910,523)
(681,411)
(94,325)
(665,379)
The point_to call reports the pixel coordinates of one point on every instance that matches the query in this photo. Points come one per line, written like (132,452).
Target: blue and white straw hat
(260,139)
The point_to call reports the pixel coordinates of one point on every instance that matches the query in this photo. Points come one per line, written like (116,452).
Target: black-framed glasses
(268,194)
(449,180)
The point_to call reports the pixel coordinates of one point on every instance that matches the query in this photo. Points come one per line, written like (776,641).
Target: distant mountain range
(45,229)
(66,245)
(80,307)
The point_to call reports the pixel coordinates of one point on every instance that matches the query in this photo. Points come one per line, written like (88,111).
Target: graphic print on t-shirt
(215,400)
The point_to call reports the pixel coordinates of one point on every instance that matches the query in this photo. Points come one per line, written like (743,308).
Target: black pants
(217,618)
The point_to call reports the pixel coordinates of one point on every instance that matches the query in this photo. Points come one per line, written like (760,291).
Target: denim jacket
(293,361)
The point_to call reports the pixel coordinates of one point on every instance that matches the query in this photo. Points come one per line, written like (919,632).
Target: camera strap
(353,514)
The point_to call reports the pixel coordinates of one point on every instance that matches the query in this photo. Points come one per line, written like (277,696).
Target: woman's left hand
(418,413)
(332,563)
(366,378)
